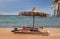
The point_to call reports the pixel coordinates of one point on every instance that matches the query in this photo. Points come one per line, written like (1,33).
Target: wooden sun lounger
(29,31)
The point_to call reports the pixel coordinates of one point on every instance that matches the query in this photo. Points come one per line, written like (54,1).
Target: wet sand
(5,33)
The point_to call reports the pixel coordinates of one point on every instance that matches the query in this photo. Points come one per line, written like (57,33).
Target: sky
(13,7)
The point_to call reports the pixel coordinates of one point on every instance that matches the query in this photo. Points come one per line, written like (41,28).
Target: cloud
(1,13)
(14,0)
(7,0)
(8,13)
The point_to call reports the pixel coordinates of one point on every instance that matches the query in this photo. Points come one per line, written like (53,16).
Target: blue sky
(13,7)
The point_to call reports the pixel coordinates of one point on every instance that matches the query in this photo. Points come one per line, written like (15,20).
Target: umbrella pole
(33,20)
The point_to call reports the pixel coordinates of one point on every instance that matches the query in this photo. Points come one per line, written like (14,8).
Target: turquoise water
(20,21)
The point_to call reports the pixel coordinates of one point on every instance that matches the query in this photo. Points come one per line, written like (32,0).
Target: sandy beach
(5,33)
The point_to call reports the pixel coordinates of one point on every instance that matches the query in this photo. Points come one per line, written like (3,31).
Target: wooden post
(33,20)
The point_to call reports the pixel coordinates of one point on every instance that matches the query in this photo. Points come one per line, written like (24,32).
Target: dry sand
(5,33)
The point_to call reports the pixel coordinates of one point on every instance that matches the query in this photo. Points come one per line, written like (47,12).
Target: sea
(12,21)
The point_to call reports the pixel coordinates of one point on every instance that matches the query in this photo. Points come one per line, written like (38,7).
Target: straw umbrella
(33,13)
